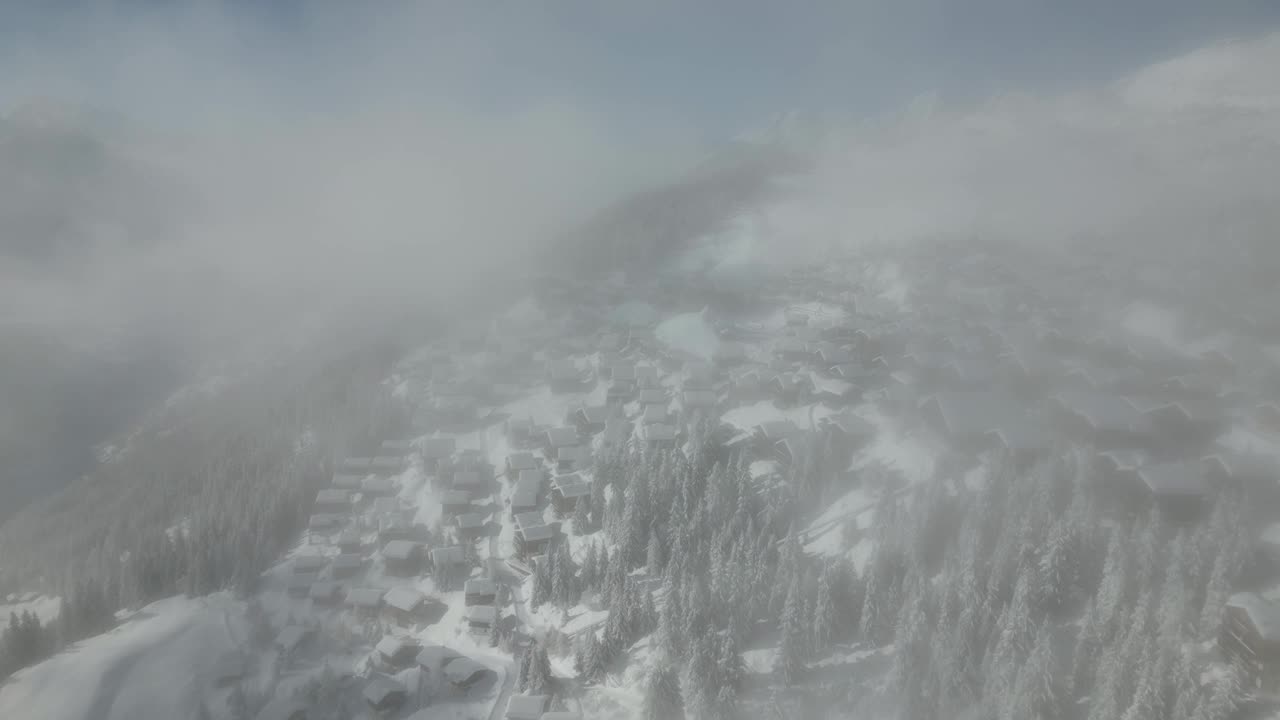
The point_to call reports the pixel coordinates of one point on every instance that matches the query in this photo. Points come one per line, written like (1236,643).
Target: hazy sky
(713,67)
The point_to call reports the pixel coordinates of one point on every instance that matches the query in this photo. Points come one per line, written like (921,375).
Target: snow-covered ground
(155,665)
(689,333)
(45,607)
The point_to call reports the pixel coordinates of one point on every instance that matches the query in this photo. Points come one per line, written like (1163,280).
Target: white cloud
(1185,150)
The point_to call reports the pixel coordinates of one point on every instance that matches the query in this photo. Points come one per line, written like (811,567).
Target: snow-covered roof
(653,396)
(308,563)
(1104,412)
(658,432)
(387,464)
(405,599)
(571,486)
(536,533)
(346,561)
(653,414)
(777,429)
(526,707)
(282,708)
(401,549)
(480,586)
(1175,478)
(481,614)
(1264,615)
(436,655)
(470,521)
(562,436)
(579,454)
(393,645)
(464,671)
(333,496)
(455,497)
(466,479)
(697,399)
(364,597)
(347,481)
(851,424)
(521,461)
(526,520)
(972,413)
(447,556)
(380,689)
(324,590)
(1025,435)
(438,448)
(378,484)
(291,636)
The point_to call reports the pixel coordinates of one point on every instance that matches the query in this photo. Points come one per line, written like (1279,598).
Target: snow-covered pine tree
(654,561)
(582,516)
(824,613)
(662,700)
(1216,595)
(540,680)
(789,664)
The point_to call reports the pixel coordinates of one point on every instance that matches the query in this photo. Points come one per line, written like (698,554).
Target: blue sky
(714,66)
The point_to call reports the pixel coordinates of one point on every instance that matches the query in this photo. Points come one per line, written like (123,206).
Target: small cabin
(471,526)
(365,602)
(465,673)
(659,436)
(455,502)
(403,605)
(566,490)
(332,501)
(397,651)
(527,494)
(385,695)
(519,462)
(434,658)
(533,540)
(1250,634)
(526,707)
(325,593)
(402,558)
(479,591)
(589,419)
(470,482)
(481,617)
(573,458)
(348,541)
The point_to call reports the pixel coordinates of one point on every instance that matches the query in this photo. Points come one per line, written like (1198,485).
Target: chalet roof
(387,464)
(851,424)
(1195,410)
(653,396)
(526,707)
(517,424)
(562,436)
(347,481)
(976,412)
(380,689)
(536,533)
(395,522)
(571,486)
(1102,378)
(438,448)
(401,550)
(308,563)
(832,356)
(790,345)
(525,495)
(563,369)
(1125,460)
(698,399)
(579,454)
(528,520)
(481,613)
(455,497)
(1264,614)
(445,556)
(1104,412)
(350,536)
(346,561)
(403,598)
(653,414)
(470,521)
(378,484)
(333,496)
(624,371)
(436,655)
(324,590)
(480,586)
(646,374)
(521,461)
(1025,435)
(467,479)
(729,351)
(364,597)
(291,636)
(593,414)
(400,446)
(464,670)
(1174,478)
(777,429)
(282,708)
(393,645)
(658,432)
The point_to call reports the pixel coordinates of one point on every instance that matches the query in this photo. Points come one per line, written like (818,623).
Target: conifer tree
(789,665)
(662,699)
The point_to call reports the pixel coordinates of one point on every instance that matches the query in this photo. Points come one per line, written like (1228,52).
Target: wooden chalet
(385,695)
(403,605)
(1250,634)
(479,591)
(403,558)
(566,490)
